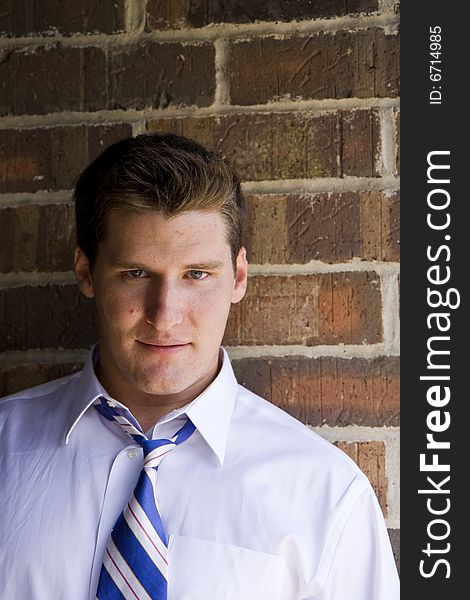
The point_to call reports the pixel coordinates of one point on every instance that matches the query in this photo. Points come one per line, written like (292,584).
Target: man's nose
(163,307)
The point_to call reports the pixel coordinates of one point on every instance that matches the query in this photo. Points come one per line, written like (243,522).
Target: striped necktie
(135,565)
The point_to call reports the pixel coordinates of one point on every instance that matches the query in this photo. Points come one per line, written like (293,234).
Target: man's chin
(159,385)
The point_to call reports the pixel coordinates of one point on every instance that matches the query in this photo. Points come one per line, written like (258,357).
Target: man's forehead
(192,236)
(194,219)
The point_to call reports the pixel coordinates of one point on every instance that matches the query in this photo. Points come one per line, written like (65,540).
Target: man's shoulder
(287,436)
(269,414)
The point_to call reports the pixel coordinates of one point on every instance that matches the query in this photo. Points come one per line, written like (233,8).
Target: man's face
(163,290)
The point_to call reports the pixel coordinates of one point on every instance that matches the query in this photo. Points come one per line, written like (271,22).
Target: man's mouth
(166,346)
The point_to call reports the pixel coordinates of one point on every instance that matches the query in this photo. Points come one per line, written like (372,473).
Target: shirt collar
(211,412)
(88,390)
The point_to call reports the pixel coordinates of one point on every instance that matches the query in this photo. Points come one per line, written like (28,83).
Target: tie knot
(155,451)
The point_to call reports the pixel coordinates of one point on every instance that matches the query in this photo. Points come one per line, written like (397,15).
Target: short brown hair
(163,173)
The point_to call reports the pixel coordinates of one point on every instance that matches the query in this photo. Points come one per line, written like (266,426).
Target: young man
(152,473)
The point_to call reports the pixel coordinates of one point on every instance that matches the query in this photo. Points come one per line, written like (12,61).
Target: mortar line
(217,109)
(15,358)
(283,186)
(388,6)
(134,18)
(314,267)
(388,21)
(222,75)
(347,351)
(390,309)
(327,185)
(36,279)
(357,433)
(42,198)
(392,458)
(388,141)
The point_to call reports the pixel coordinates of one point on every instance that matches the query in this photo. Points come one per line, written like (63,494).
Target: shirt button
(132,453)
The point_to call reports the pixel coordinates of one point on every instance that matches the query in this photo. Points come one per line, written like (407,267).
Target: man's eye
(198,275)
(136,274)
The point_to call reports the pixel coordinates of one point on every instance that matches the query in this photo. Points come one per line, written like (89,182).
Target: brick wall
(302,97)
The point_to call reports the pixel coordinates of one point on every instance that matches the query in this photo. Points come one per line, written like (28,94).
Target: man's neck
(147,416)
(148,408)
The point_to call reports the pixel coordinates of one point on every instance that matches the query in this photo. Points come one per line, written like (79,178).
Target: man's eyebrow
(205,265)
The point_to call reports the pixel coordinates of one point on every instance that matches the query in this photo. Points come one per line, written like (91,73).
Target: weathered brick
(37,238)
(170,14)
(380,226)
(265,235)
(370,457)
(35,17)
(360,143)
(288,145)
(150,75)
(41,80)
(327,390)
(344,64)
(330,308)
(49,316)
(20,377)
(324,227)
(51,158)
(158,75)
(336,227)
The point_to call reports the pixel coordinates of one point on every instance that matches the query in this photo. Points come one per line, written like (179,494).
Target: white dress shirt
(255,505)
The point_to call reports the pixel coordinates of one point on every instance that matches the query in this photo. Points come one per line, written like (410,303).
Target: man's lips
(163,346)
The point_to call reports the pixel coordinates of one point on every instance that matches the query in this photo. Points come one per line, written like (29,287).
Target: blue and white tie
(135,565)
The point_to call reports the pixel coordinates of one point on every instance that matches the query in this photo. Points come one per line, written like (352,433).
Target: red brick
(169,14)
(380,226)
(28,17)
(360,143)
(156,75)
(285,145)
(265,236)
(327,390)
(51,158)
(324,227)
(344,64)
(49,316)
(370,457)
(332,308)
(14,378)
(336,227)
(37,238)
(62,78)
(91,79)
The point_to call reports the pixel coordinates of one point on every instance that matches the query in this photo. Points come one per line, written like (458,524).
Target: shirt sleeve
(363,566)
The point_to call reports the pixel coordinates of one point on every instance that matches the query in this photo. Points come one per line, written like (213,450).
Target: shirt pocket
(203,570)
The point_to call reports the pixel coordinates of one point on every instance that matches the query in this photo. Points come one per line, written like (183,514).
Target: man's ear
(241,277)
(83,273)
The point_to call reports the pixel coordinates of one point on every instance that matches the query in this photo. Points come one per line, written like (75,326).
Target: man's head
(163,173)
(159,249)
